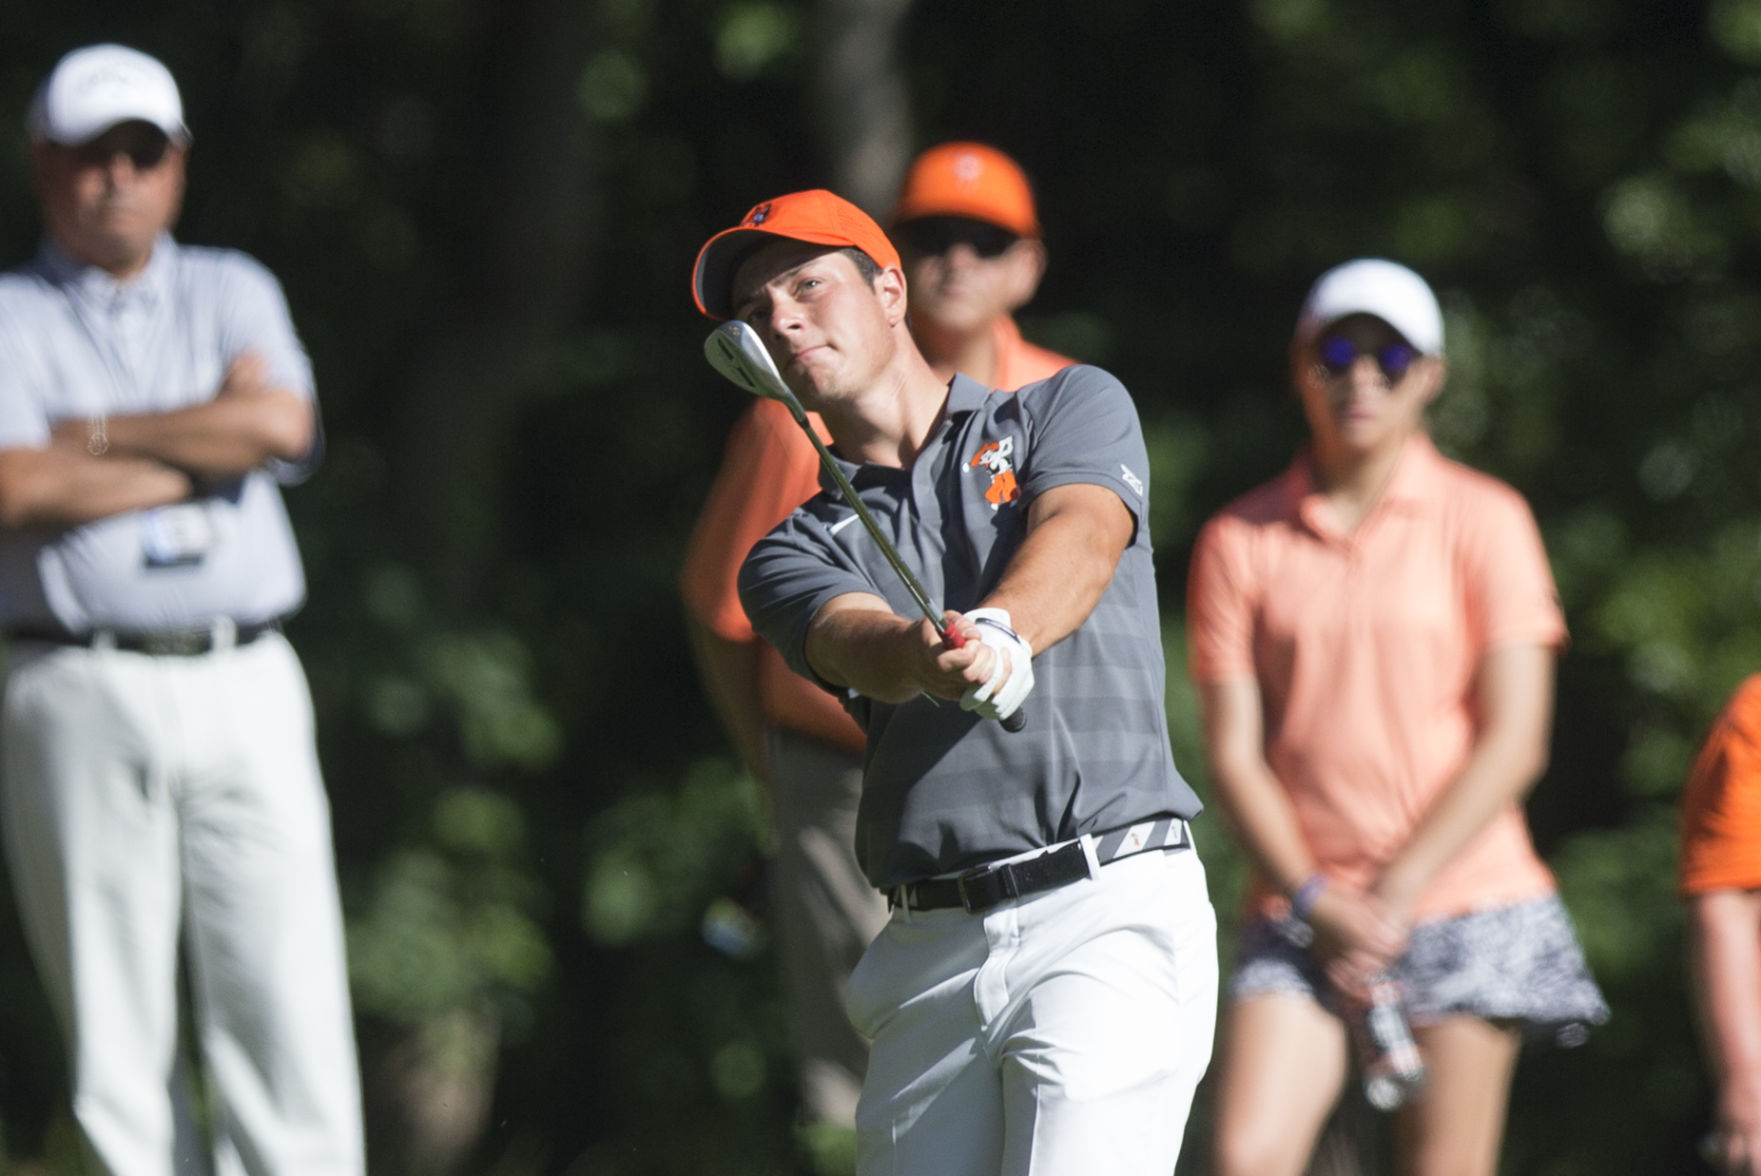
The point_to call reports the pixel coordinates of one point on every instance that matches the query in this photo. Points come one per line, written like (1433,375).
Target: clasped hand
(992,673)
(1357,937)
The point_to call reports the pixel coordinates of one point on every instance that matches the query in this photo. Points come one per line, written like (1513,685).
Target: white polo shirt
(75,343)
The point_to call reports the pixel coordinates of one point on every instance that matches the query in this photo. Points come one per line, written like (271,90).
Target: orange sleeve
(768,469)
(1721,802)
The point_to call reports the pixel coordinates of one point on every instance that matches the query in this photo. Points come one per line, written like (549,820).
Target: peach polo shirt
(1365,647)
(769,469)
(1721,802)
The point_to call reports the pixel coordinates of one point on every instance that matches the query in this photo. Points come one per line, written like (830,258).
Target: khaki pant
(824,913)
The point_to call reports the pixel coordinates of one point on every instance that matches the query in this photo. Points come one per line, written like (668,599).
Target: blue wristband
(1303,901)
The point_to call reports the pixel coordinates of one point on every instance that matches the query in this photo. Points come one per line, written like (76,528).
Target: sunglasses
(933,236)
(1337,354)
(145,152)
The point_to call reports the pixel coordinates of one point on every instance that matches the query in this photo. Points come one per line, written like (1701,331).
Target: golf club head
(735,350)
(754,349)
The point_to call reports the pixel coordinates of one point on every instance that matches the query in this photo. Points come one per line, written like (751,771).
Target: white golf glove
(1013,654)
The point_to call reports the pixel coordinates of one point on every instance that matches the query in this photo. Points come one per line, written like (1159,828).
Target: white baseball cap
(94,88)
(1373,286)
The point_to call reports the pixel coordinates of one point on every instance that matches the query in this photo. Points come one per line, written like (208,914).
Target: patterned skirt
(1519,964)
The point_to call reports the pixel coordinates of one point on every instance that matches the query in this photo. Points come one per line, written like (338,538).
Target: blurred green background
(484,212)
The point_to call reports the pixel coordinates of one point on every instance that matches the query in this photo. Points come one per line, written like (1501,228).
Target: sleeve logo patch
(996,457)
(1131,479)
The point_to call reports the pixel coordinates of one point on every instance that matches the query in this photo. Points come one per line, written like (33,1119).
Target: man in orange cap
(1042,996)
(976,257)
(969,237)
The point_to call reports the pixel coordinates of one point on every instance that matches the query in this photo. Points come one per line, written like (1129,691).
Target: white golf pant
(1057,1035)
(148,798)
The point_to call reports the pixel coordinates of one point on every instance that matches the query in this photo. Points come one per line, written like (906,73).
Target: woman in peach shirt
(1373,636)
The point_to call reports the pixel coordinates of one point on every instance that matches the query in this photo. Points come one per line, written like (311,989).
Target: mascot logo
(759,215)
(995,457)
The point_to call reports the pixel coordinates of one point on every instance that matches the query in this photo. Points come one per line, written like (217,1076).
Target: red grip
(954,640)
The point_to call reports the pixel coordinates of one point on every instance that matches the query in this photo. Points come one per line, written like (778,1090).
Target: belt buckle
(188,643)
(960,881)
(1009,887)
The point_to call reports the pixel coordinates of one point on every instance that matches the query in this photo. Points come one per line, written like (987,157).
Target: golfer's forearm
(869,650)
(1075,538)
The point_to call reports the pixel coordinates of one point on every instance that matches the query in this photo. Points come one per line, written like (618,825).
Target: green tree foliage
(484,211)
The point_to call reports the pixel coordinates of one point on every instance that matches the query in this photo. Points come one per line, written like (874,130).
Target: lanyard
(116,332)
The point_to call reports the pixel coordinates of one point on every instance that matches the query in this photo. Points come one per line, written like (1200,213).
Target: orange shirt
(769,469)
(1020,363)
(1721,802)
(1365,647)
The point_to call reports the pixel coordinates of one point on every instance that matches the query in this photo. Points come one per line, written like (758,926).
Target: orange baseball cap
(816,216)
(970,180)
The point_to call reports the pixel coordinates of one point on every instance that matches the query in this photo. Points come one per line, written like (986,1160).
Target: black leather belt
(985,887)
(170,643)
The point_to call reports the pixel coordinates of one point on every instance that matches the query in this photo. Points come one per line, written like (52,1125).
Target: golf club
(735,350)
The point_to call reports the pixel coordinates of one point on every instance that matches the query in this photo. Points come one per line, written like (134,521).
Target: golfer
(1042,997)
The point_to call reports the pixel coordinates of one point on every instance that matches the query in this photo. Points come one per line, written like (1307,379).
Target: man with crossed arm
(158,777)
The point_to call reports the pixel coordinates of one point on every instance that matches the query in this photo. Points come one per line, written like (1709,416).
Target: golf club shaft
(739,354)
(1015,720)
(741,350)
(886,547)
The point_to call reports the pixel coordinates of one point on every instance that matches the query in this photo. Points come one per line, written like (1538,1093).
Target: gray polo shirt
(75,343)
(944,790)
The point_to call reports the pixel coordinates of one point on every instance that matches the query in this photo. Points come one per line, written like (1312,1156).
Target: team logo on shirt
(995,457)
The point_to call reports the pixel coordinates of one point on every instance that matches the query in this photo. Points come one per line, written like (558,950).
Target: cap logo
(115,75)
(967,168)
(759,215)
